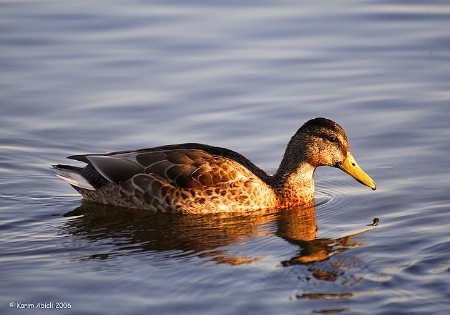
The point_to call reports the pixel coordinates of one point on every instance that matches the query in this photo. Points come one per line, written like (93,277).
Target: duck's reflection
(208,236)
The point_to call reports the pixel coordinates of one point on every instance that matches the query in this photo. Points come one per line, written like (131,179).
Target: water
(83,77)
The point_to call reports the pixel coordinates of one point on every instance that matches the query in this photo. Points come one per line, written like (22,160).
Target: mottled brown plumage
(197,178)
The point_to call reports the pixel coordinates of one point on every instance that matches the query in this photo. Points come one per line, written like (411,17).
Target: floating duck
(198,178)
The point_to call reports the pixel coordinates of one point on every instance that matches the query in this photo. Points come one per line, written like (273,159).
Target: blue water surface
(96,76)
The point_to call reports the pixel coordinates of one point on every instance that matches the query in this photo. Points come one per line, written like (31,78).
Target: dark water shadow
(206,236)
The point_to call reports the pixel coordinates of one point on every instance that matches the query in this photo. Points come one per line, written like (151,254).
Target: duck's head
(322,142)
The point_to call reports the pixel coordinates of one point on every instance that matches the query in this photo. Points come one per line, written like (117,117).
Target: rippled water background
(96,76)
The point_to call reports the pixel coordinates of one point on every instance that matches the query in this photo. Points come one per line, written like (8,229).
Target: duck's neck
(294,187)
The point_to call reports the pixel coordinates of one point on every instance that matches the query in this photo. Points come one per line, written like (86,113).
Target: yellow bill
(352,168)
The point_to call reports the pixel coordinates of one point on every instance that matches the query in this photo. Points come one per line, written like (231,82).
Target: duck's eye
(332,139)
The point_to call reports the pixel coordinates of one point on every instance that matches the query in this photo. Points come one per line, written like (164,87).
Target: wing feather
(186,165)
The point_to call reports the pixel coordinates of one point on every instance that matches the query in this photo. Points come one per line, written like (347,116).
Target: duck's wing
(186,165)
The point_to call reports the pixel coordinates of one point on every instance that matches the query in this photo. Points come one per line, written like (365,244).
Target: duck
(199,178)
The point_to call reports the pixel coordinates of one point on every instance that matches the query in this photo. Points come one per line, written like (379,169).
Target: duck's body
(197,178)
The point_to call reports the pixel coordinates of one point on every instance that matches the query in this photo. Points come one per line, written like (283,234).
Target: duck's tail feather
(73,175)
